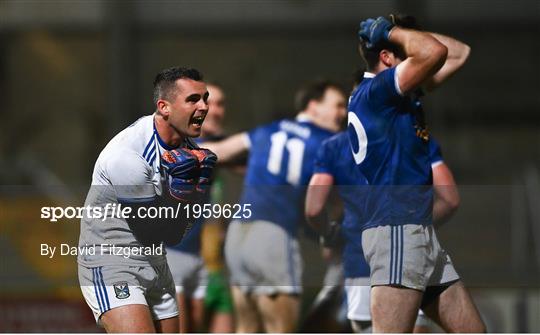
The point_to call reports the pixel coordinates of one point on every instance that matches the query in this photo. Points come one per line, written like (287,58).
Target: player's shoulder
(126,151)
(297,127)
(375,84)
(139,135)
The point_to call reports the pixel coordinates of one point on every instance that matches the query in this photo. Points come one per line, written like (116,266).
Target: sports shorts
(110,286)
(358,298)
(263,258)
(188,272)
(218,297)
(408,255)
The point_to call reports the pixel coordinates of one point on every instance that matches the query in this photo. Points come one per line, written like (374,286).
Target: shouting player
(151,164)
(408,268)
(262,252)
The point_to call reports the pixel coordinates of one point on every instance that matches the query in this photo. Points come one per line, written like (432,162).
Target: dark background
(74,73)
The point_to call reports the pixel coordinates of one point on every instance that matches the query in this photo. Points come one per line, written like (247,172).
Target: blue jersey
(390,148)
(335,158)
(280,165)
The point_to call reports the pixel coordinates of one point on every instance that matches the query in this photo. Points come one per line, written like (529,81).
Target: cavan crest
(121,290)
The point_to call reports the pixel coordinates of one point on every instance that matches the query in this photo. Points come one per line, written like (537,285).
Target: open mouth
(198,120)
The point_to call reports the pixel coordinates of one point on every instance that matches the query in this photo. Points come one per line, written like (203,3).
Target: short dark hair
(165,81)
(357,77)
(371,56)
(313,91)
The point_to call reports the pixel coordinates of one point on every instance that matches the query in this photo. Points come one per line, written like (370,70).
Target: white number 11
(295,147)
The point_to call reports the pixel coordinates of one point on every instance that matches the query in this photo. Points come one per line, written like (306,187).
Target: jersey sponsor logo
(121,290)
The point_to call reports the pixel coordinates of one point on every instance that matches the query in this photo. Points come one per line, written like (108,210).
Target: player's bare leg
(279,312)
(222,323)
(129,319)
(247,319)
(394,309)
(455,311)
(421,330)
(169,325)
(183,315)
(191,314)
(197,315)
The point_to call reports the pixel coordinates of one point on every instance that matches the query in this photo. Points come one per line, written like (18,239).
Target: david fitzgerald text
(65,249)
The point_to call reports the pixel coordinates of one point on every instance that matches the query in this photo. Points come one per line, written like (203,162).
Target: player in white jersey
(153,163)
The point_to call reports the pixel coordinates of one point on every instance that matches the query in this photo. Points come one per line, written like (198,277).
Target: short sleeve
(435,153)
(250,137)
(131,177)
(324,159)
(384,86)
(247,137)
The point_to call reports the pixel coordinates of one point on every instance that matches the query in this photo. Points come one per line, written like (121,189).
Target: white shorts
(189,273)
(111,286)
(263,258)
(358,293)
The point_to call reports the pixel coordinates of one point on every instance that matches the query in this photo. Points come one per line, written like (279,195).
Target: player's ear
(312,105)
(163,108)
(385,57)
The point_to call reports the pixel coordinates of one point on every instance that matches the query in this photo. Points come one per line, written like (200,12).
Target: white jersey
(128,169)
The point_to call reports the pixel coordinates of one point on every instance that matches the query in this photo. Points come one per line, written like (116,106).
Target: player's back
(280,165)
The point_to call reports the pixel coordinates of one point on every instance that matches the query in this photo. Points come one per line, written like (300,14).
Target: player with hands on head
(389,142)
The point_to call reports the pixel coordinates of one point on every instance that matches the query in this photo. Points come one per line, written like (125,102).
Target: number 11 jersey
(280,165)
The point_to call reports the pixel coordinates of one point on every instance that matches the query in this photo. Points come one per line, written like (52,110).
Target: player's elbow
(453,202)
(437,56)
(464,55)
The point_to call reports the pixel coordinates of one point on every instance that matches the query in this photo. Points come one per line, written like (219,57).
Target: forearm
(442,210)
(229,148)
(316,198)
(318,221)
(458,53)
(446,194)
(457,50)
(420,46)
(425,56)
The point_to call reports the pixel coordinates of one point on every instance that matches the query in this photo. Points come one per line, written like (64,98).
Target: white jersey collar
(303,117)
(369,75)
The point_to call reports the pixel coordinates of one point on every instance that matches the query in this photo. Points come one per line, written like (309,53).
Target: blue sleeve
(383,88)
(435,154)
(324,159)
(252,134)
(259,133)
